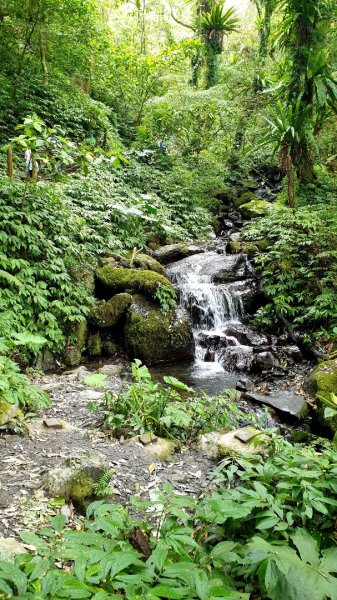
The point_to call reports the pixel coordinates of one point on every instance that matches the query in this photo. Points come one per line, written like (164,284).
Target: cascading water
(217,290)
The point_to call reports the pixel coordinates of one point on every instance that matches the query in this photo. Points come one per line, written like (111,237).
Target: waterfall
(214,289)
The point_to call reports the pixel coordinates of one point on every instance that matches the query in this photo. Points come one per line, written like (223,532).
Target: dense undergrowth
(266,531)
(298,262)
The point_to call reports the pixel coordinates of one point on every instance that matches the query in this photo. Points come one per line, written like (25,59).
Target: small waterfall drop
(216,289)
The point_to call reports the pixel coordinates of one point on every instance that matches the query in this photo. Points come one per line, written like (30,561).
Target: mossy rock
(121,280)
(83,275)
(11,416)
(254,208)
(72,356)
(109,314)
(234,247)
(81,332)
(323,383)
(75,478)
(250,249)
(245,198)
(94,346)
(155,338)
(171,253)
(145,262)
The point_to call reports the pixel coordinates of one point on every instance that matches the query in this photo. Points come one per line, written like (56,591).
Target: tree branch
(180,22)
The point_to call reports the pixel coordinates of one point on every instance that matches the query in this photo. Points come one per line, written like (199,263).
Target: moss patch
(145,262)
(81,334)
(121,280)
(154,338)
(94,345)
(245,198)
(254,208)
(323,383)
(108,314)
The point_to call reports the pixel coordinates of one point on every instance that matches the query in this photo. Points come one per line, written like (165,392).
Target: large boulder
(143,281)
(255,208)
(155,338)
(323,383)
(75,478)
(109,314)
(173,252)
(245,198)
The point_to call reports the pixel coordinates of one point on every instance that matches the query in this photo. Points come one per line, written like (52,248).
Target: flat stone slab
(216,444)
(285,401)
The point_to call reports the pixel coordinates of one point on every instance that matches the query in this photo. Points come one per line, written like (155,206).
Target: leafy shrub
(171,409)
(167,298)
(35,246)
(298,268)
(16,388)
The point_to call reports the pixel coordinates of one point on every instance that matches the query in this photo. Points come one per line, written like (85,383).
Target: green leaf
(306,546)
(96,380)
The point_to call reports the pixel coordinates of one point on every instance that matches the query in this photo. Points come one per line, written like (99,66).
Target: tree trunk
(43,58)
(291,182)
(10,169)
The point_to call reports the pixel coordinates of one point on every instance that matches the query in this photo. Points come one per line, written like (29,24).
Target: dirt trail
(25,460)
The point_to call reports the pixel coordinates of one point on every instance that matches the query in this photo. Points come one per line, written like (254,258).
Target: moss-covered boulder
(109,314)
(121,280)
(145,262)
(171,253)
(155,338)
(245,198)
(254,208)
(94,346)
(323,383)
(75,478)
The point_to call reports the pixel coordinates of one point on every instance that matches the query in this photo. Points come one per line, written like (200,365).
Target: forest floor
(25,460)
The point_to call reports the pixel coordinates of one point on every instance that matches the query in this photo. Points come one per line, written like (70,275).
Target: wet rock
(75,478)
(109,314)
(245,385)
(216,445)
(72,356)
(227,224)
(155,338)
(264,361)
(174,252)
(246,335)
(285,401)
(230,268)
(322,383)
(11,416)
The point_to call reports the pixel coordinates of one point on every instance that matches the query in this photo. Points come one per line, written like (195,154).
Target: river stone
(75,478)
(155,338)
(216,445)
(285,401)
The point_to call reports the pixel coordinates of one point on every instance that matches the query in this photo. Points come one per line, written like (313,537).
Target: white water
(212,306)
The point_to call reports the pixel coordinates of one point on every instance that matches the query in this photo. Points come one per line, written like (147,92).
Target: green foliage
(298,267)
(102,488)
(36,245)
(171,409)
(16,388)
(167,298)
(225,545)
